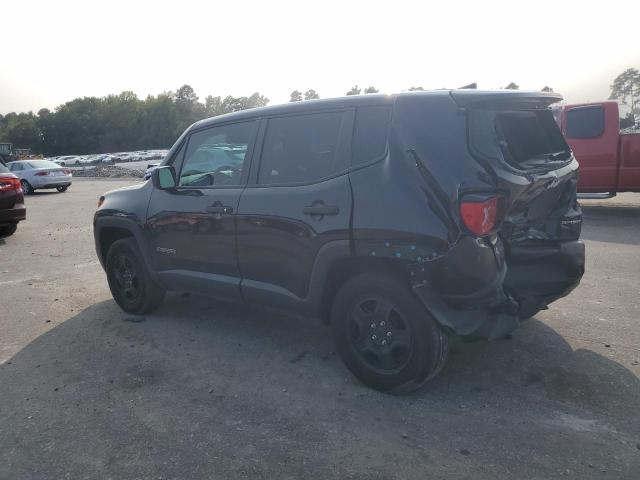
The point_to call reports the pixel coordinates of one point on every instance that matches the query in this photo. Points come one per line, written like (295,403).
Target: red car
(609,160)
(12,209)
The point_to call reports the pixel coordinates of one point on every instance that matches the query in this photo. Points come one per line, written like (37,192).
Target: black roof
(461,97)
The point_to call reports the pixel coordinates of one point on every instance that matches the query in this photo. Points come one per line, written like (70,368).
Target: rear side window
(301,149)
(370,134)
(42,164)
(3,169)
(585,122)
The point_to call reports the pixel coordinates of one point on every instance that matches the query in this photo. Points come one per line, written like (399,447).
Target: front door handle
(319,208)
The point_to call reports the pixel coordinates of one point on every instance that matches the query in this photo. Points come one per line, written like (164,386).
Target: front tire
(385,336)
(132,287)
(27,189)
(62,189)
(8,230)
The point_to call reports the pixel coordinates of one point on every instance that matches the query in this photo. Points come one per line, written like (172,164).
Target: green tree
(213,106)
(627,121)
(371,90)
(77,128)
(355,90)
(547,89)
(311,94)
(161,125)
(512,86)
(296,96)
(188,107)
(122,118)
(117,122)
(23,131)
(416,89)
(626,88)
(256,100)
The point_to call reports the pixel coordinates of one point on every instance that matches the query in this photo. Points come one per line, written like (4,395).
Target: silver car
(37,174)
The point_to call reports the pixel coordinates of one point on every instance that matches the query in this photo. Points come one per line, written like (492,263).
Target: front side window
(301,149)
(216,156)
(585,122)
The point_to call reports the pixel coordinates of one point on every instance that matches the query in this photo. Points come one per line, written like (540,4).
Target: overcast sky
(54,51)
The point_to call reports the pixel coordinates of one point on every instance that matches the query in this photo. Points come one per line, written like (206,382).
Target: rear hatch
(518,141)
(535,171)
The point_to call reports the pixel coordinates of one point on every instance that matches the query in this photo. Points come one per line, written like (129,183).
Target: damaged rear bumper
(479,290)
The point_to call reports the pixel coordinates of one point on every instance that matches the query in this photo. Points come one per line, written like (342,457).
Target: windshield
(42,164)
(524,138)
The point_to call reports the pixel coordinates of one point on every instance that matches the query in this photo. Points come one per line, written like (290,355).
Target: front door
(193,227)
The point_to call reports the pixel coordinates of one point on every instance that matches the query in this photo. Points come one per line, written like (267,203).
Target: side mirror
(164,178)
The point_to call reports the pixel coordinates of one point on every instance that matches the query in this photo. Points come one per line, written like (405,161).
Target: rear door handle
(320,209)
(219,209)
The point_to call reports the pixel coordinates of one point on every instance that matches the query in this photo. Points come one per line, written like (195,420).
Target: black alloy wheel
(379,335)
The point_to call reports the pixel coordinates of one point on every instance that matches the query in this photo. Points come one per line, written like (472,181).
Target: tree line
(116,122)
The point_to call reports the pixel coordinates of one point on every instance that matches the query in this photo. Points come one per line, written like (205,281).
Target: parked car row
(79,160)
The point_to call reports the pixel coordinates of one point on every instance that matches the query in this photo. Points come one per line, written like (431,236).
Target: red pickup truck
(609,159)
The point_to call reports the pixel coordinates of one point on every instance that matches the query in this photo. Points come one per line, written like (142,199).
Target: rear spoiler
(500,99)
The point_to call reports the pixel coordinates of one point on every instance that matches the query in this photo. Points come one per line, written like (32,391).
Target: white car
(37,174)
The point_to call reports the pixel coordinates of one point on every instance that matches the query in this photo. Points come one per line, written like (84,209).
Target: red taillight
(41,174)
(9,183)
(480,216)
(67,171)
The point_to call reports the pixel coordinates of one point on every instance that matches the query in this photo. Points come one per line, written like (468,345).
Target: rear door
(298,200)
(193,226)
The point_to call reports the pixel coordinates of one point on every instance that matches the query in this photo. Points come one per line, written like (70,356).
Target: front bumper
(481,290)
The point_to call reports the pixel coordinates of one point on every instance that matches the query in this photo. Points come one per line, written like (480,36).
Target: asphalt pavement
(202,389)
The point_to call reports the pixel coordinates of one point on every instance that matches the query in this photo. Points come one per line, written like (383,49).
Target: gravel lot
(203,389)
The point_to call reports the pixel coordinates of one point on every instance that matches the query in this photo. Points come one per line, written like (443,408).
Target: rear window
(524,138)
(42,164)
(585,122)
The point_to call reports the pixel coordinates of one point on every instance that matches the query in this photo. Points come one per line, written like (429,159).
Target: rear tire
(385,336)
(8,230)
(27,189)
(130,283)
(62,189)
